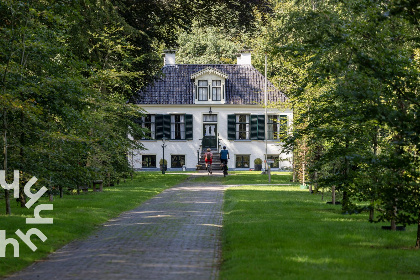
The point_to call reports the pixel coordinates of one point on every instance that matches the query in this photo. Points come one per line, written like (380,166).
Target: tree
(350,72)
(206,45)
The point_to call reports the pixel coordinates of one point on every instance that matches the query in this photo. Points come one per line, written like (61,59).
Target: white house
(194,107)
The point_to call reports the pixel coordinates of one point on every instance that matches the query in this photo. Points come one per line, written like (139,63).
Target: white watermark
(33,197)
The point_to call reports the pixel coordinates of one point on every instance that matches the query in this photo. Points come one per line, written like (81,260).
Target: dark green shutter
(189,127)
(159,127)
(231,127)
(167,126)
(261,127)
(254,127)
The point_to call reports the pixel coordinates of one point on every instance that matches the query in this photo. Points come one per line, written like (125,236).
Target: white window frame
(203,90)
(216,90)
(178,127)
(242,127)
(274,126)
(152,127)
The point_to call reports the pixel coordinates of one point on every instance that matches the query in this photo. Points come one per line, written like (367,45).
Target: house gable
(209,71)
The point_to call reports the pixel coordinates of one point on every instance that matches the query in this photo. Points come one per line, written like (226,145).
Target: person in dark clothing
(224,155)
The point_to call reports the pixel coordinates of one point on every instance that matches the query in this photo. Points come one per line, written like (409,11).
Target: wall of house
(189,148)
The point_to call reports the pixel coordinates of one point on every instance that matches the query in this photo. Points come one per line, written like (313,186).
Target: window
(147,122)
(249,127)
(177,161)
(242,161)
(148,161)
(242,127)
(203,90)
(277,126)
(174,127)
(178,127)
(210,118)
(216,90)
(276,160)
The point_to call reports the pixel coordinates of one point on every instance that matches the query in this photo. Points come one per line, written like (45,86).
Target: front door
(209,136)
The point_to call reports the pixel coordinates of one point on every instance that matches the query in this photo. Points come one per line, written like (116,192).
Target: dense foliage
(351,70)
(68,70)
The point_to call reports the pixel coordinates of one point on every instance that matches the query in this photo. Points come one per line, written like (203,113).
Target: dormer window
(209,86)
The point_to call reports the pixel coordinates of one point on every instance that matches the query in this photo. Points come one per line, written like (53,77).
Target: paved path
(174,235)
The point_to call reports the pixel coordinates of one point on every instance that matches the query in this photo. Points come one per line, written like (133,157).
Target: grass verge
(246,177)
(283,232)
(77,216)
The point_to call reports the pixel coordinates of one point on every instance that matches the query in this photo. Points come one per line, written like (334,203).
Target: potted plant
(163,164)
(257,164)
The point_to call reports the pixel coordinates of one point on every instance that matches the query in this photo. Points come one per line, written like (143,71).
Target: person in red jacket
(208,158)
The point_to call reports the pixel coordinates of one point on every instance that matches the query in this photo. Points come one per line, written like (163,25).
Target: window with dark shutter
(257,127)
(167,126)
(231,127)
(254,128)
(189,127)
(159,126)
(261,127)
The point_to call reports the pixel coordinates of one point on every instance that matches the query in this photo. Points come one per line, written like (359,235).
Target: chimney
(169,57)
(244,57)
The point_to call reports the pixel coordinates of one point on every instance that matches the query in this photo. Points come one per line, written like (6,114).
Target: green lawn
(270,232)
(76,216)
(247,177)
(283,232)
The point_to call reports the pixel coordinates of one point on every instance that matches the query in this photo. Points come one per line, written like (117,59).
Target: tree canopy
(351,71)
(68,70)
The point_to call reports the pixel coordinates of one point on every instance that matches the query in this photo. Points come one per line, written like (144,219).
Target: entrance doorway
(209,136)
(209,131)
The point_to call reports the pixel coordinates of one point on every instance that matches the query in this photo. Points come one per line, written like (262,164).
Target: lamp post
(265,113)
(163,155)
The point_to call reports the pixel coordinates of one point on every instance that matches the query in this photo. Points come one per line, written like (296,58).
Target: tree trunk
(6,192)
(393,225)
(61,192)
(393,221)
(345,203)
(371,211)
(333,195)
(303,174)
(294,169)
(418,232)
(22,197)
(50,194)
(376,180)
(7,198)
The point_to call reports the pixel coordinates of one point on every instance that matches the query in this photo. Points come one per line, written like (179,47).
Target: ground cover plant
(284,232)
(77,216)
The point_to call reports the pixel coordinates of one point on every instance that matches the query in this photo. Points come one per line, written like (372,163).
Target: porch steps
(216,161)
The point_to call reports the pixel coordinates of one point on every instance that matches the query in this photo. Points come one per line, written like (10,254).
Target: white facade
(191,149)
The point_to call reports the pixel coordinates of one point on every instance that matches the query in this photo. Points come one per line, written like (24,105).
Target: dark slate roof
(244,85)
